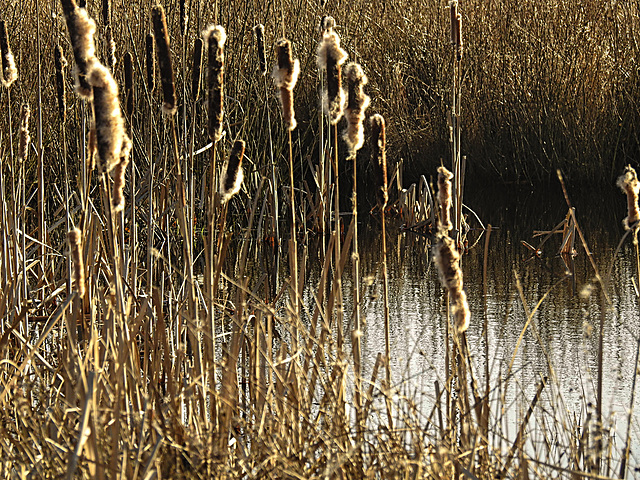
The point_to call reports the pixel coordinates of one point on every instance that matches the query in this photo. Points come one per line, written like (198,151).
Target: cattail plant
(109,124)
(629,184)
(379,158)
(447,258)
(106,12)
(183,17)
(258,31)
(9,71)
(285,75)
(81,30)
(196,71)
(150,63)
(456,28)
(74,238)
(215,36)
(357,103)
(164,60)
(128,85)
(60,65)
(330,58)
(444,199)
(232,176)
(24,136)
(119,171)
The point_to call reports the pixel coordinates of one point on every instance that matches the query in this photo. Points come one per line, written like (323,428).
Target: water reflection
(562,340)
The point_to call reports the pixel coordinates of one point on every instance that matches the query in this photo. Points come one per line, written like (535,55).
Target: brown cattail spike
(150,55)
(444,199)
(111,48)
(183,18)
(61,64)
(447,260)
(285,75)
(119,171)
(74,238)
(233,175)
(258,31)
(81,30)
(106,12)
(128,85)
(357,103)
(164,60)
(24,136)
(456,28)
(196,71)
(9,71)
(215,36)
(330,58)
(108,118)
(379,158)
(629,184)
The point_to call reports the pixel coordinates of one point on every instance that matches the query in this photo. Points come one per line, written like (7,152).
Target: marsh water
(562,341)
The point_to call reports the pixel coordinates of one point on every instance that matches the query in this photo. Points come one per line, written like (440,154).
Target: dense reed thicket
(164,198)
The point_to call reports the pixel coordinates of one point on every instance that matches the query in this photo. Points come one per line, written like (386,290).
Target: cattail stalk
(285,76)
(9,70)
(81,30)
(163,50)
(357,103)
(150,62)
(74,238)
(109,124)
(232,176)
(215,36)
(258,31)
(128,85)
(330,58)
(379,161)
(629,184)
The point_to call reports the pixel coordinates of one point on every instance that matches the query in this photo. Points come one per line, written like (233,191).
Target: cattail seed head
(60,65)
(379,157)
(447,260)
(106,12)
(330,58)
(629,184)
(150,62)
(128,85)
(444,198)
(327,23)
(258,31)
(285,75)
(215,36)
(357,103)
(164,60)
(183,18)
(9,70)
(74,238)
(108,118)
(81,30)
(456,28)
(117,197)
(111,48)
(233,175)
(196,71)
(24,137)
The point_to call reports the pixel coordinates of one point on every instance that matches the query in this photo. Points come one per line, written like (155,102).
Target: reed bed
(154,321)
